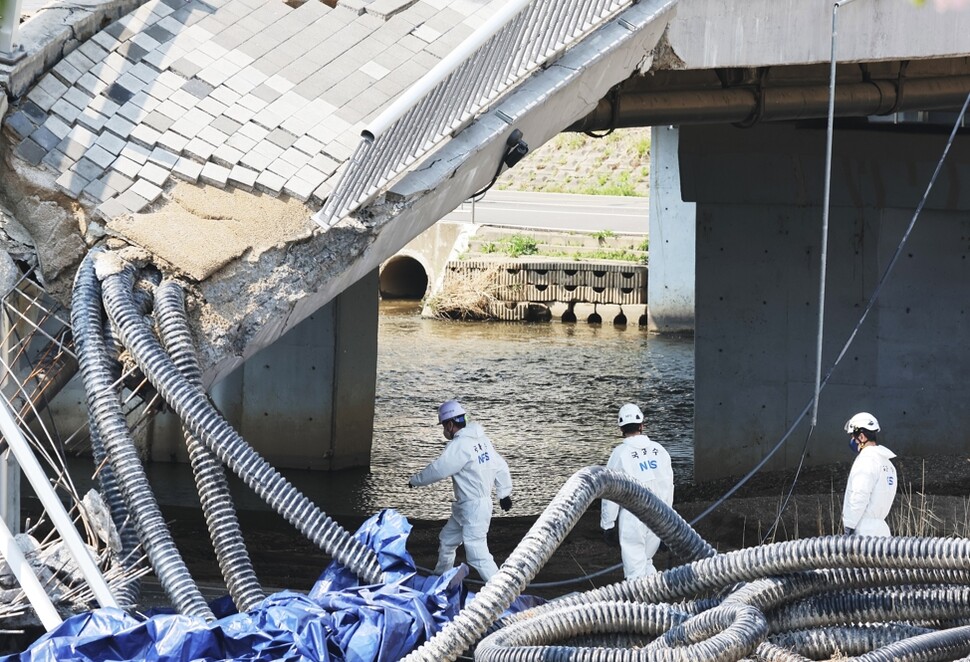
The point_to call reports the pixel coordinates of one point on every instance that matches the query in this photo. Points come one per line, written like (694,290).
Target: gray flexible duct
(212,429)
(550,529)
(819,643)
(819,563)
(211,482)
(107,415)
(87,293)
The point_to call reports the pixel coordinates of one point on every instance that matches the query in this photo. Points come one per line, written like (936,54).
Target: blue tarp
(338,621)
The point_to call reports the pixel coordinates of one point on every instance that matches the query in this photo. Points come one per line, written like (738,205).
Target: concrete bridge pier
(307,401)
(670,290)
(759,198)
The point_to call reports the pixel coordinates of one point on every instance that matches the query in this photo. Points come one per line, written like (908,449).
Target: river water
(547,395)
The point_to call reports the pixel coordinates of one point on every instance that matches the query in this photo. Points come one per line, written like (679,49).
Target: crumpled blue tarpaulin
(338,621)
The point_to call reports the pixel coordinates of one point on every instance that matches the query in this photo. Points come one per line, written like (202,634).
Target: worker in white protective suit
(647,462)
(474,466)
(871,488)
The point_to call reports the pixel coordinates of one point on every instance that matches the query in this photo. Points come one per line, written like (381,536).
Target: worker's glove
(410,484)
(506,503)
(611,537)
(849,531)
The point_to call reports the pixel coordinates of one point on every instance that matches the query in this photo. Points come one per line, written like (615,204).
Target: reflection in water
(547,395)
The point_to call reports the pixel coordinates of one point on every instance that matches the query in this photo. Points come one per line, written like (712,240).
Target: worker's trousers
(638,544)
(468,526)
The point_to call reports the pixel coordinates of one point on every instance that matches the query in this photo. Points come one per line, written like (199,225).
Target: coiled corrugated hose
(202,419)
(108,418)
(573,499)
(782,573)
(210,479)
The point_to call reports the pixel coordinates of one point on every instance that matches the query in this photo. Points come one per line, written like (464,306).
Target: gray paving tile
(281,138)
(227,156)
(252,102)
(145,41)
(295,157)
(324,164)
(270,183)
(78,97)
(163,157)
(105,40)
(126,167)
(87,169)
(211,106)
(30,152)
(111,142)
(213,136)
(158,121)
(20,124)
(57,126)
(224,95)
(308,145)
(104,105)
(225,125)
(173,141)
(145,135)
(110,209)
(239,113)
(119,126)
(92,119)
(158,33)
(98,191)
(71,184)
(154,173)
(118,31)
(58,160)
(146,189)
(266,93)
(78,60)
(35,113)
(41,98)
(187,169)
(117,180)
(240,142)
(199,149)
(128,85)
(283,168)
(91,50)
(132,202)
(197,88)
(243,178)
(214,174)
(66,72)
(135,152)
(91,84)
(99,156)
(300,188)
(256,160)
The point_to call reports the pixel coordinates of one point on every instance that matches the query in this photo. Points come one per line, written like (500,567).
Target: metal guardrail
(523,36)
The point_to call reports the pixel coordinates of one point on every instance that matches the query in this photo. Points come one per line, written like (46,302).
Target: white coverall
(649,463)
(869,492)
(474,466)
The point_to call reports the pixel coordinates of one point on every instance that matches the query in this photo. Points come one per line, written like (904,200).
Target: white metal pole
(21,569)
(9,469)
(9,21)
(54,508)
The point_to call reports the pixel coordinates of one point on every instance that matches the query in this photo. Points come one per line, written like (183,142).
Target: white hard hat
(449,410)
(862,421)
(630,413)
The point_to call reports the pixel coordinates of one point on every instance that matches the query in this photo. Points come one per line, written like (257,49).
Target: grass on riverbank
(617,164)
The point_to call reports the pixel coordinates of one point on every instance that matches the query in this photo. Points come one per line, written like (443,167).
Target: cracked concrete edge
(54,32)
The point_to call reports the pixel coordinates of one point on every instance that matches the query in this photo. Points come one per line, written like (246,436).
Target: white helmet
(449,410)
(862,421)
(630,413)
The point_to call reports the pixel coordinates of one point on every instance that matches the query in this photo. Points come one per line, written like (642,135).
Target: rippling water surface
(547,395)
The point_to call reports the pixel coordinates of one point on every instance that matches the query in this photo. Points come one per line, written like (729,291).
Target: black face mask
(854,444)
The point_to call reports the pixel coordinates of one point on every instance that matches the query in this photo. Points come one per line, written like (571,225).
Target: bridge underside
(759,227)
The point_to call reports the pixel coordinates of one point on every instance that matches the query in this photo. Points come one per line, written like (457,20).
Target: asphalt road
(557,211)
